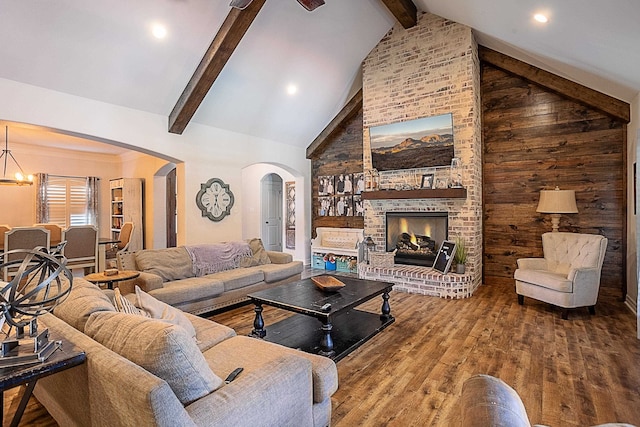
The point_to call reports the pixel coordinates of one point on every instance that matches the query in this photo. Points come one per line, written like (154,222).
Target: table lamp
(557,202)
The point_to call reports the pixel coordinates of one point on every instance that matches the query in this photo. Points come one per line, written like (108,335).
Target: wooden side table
(67,356)
(99,278)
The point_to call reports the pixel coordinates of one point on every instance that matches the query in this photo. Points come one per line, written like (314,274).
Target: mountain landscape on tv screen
(428,151)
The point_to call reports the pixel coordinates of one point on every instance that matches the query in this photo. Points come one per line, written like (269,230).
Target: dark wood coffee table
(333,333)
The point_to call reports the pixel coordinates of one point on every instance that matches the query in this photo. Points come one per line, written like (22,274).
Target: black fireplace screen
(416,236)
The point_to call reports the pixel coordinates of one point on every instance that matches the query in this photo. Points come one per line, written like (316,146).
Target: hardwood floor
(579,372)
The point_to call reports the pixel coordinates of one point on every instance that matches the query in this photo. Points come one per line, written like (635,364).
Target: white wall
(251,177)
(201,153)
(633,245)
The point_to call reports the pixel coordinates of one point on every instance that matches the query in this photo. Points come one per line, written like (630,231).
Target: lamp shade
(557,201)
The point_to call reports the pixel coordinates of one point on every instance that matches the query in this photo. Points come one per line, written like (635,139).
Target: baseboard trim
(632,305)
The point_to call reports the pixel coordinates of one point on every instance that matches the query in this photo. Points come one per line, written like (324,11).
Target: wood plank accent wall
(536,139)
(342,153)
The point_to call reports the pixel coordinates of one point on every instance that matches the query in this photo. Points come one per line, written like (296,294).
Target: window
(68,200)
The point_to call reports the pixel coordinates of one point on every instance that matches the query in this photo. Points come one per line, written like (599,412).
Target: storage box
(317,261)
(328,265)
(347,265)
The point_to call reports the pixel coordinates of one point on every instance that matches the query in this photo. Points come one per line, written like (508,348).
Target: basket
(382,259)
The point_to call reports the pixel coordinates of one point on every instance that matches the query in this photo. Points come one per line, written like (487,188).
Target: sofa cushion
(277,272)
(244,350)
(546,279)
(239,278)
(159,310)
(259,257)
(208,332)
(161,348)
(84,299)
(170,263)
(191,289)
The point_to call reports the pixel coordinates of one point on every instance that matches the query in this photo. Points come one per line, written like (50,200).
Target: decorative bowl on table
(327,283)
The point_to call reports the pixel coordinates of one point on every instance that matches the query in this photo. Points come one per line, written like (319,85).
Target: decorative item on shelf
(461,255)
(372,180)
(19,177)
(441,183)
(456,173)
(37,288)
(330,261)
(557,202)
(427,181)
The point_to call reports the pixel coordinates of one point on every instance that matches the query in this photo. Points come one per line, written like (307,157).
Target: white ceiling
(105,51)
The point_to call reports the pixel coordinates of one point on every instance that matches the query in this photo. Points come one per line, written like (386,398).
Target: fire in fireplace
(416,236)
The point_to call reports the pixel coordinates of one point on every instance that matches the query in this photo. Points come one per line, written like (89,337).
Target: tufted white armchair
(569,274)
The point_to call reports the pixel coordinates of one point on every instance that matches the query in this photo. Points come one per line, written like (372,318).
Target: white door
(272,212)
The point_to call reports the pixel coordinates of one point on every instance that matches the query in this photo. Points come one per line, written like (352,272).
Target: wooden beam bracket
(572,90)
(404,10)
(222,47)
(348,111)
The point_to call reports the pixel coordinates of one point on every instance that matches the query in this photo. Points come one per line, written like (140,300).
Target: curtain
(42,207)
(93,199)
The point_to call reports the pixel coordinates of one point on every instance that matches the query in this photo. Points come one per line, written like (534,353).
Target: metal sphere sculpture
(38,286)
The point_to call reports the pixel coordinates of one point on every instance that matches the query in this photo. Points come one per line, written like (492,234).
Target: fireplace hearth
(416,236)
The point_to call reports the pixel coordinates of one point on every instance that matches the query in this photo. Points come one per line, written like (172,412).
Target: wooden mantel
(443,193)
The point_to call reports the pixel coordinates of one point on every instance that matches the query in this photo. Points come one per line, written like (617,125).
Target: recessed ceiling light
(159,31)
(540,18)
(292,89)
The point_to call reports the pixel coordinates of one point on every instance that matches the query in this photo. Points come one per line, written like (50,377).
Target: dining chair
(22,238)
(81,248)
(55,232)
(3,229)
(125,239)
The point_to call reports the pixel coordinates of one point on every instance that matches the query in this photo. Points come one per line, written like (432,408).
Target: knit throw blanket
(211,258)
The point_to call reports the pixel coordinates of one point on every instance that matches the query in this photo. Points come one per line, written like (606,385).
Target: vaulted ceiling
(106,51)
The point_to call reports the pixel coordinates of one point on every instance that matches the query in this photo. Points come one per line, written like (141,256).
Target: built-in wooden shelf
(442,193)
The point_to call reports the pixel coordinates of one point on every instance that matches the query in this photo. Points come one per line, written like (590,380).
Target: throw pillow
(161,348)
(170,263)
(159,310)
(123,305)
(84,299)
(260,256)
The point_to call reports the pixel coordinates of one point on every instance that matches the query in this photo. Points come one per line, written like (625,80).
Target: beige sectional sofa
(143,371)
(172,275)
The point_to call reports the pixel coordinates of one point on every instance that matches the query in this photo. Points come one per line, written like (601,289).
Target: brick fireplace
(428,70)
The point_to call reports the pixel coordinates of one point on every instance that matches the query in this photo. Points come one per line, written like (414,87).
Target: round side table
(100,278)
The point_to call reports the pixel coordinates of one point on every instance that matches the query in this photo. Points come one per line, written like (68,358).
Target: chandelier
(19,178)
(307,4)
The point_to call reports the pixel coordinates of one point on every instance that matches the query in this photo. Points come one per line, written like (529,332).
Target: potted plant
(461,255)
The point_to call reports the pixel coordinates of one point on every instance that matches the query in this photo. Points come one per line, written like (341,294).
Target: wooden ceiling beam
(224,43)
(348,112)
(404,10)
(567,88)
